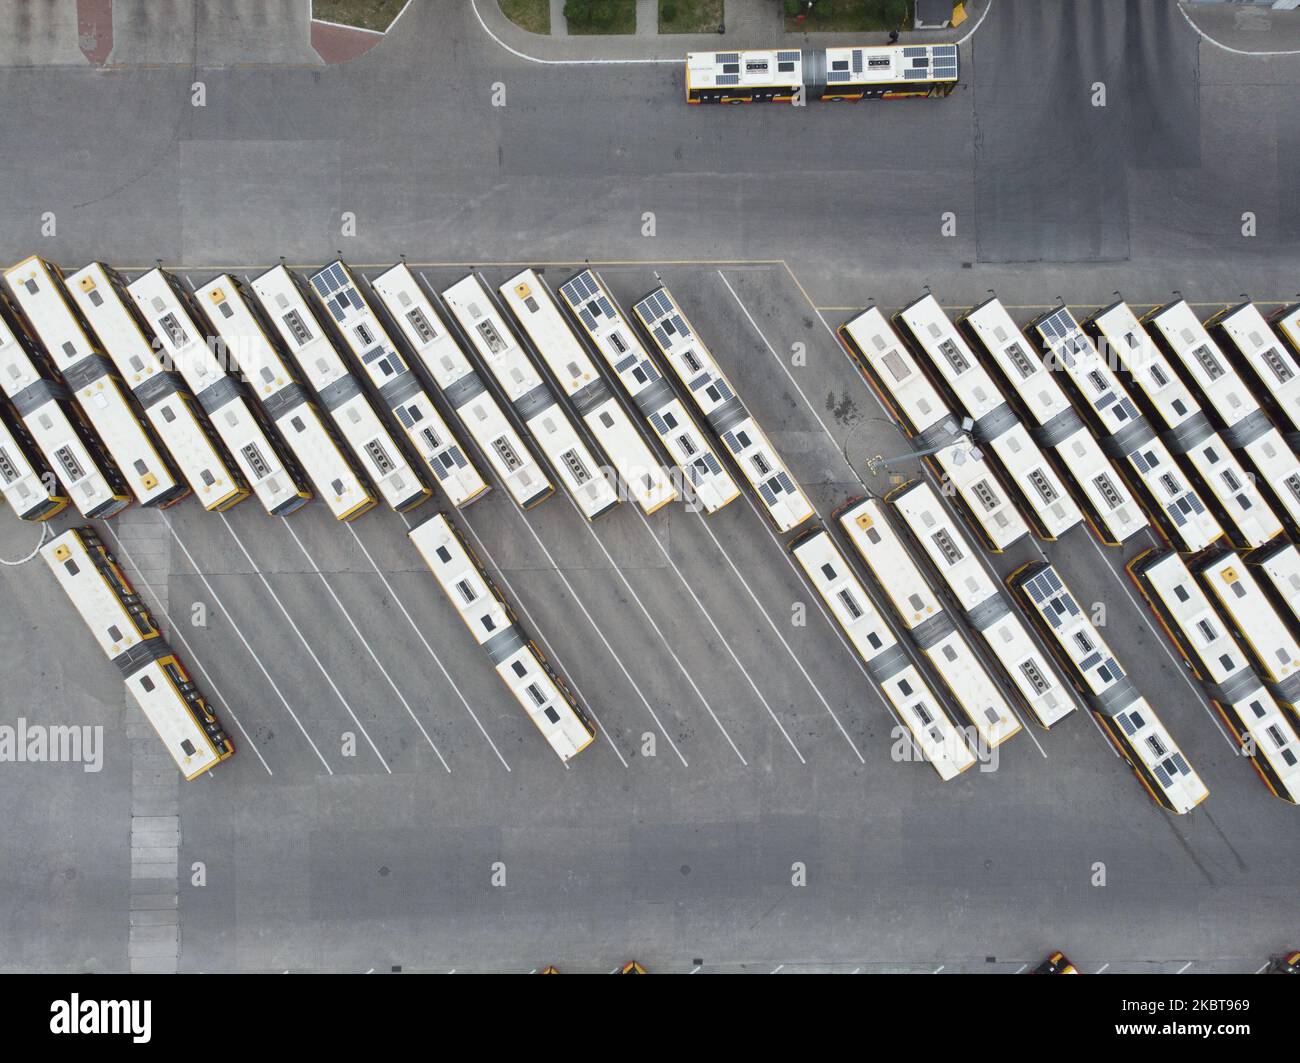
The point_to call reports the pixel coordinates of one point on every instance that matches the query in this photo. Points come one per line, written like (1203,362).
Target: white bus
(1235,410)
(129,638)
(1230,492)
(1272,366)
(1113,513)
(1278,568)
(1043,498)
(479,412)
(1252,713)
(338,391)
(935,735)
(333,473)
(399,388)
(26,481)
(212,475)
(533,306)
(39,293)
(1287,323)
(582,475)
(1265,634)
(915,404)
(715,398)
(1172,502)
(923,615)
(987,611)
(612,335)
(41,402)
(1127,717)
(278,484)
(542,694)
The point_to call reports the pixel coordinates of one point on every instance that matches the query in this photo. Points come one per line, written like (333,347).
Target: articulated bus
(935,735)
(717,401)
(398,387)
(201,457)
(549,424)
(278,483)
(1172,502)
(981,599)
(924,415)
(1278,568)
(339,391)
(1260,725)
(1227,489)
(41,401)
(39,292)
(885,72)
(1266,359)
(26,481)
(330,469)
(1128,719)
(1266,636)
(926,620)
(1042,496)
(612,335)
(533,306)
(542,694)
(1235,410)
(1107,505)
(479,412)
(128,636)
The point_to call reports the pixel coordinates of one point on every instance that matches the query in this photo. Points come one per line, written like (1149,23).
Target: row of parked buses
(148,389)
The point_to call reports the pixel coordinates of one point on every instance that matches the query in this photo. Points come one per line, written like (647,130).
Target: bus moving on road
(128,636)
(885,72)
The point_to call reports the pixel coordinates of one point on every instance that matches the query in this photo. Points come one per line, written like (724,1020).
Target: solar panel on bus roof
(914,50)
(787,57)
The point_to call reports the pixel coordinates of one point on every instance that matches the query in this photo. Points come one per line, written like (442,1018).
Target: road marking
(45,531)
(722,639)
(194,657)
(1022,967)
(939,968)
(1262,969)
(697,970)
(1227,48)
(778,967)
(1102,967)
(420,635)
(364,642)
(247,645)
(1183,967)
(302,638)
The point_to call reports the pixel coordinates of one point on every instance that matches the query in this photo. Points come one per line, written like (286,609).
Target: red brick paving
(338,44)
(95,29)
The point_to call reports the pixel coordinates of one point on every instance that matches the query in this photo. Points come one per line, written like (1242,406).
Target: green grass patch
(850,16)
(600,16)
(368,14)
(532,15)
(690,16)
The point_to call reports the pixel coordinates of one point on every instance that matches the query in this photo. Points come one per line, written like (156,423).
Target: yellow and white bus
(71,450)
(1048,697)
(1268,361)
(644,477)
(332,471)
(1277,567)
(1266,636)
(339,391)
(479,412)
(699,373)
(1172,502)
(940,741)
(39,293)
(611,334)
(200,456)
(26,481)
(1126,716)
(930,627)
(924,414)
(1113,513)
(550,426)
(276,480)
(395,384)
(1041,495)
(1226,487)
(1235,411)
(129,638)
(1199,633)
(533,683)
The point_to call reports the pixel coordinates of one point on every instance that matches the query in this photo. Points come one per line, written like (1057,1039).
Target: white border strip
(1227,48)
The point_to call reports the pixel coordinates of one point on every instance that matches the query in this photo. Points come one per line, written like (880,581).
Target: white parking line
(1183,967)
(938,969)
(1102,968)
(1022,968)
(247,645)
(420,635)
(303,639)
(364,642)
(779,967)
(1262,969)
(176,632)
